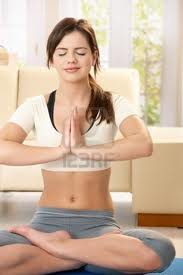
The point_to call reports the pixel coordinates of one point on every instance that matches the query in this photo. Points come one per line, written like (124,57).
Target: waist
(74,203)
(76,200)
(76,190)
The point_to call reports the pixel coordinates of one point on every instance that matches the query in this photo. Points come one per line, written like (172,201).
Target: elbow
(148,148)
(3,155)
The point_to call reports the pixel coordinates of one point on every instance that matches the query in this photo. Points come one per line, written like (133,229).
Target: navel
(72,199)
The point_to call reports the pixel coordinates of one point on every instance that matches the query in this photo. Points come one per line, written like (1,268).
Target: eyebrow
(78,48)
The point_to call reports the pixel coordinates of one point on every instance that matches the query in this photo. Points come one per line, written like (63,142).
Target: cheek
(87,63)
(57,60)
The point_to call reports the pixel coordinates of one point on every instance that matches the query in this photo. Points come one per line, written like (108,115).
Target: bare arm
(136,143)
(13,152)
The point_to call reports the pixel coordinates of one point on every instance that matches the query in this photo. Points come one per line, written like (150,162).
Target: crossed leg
(24,259)
(111,250)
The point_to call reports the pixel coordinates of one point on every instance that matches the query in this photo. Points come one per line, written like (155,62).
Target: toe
(22,229)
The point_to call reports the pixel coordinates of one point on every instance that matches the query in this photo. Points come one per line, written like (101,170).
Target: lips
(72,69)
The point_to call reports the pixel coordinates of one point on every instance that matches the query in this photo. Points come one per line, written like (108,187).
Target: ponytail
(100,104)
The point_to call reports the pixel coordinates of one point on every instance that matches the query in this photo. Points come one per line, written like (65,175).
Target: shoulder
(33,98)
(118,99)
(122,108)
(37,99)
(35,103)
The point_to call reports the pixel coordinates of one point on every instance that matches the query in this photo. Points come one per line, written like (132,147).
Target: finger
(69,124)
(72,116)
(73,126)
(67,132)
(76,118)
(75,129)
(76,112)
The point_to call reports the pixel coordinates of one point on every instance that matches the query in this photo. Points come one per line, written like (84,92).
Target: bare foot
(51,242)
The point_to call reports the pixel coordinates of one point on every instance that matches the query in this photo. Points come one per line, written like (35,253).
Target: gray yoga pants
(87,224)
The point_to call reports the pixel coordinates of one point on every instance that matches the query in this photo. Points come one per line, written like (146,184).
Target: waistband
(76,212)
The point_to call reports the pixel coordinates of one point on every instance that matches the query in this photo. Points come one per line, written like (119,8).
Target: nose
(71,58)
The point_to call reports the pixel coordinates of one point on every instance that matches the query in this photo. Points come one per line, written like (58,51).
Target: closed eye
(62,54)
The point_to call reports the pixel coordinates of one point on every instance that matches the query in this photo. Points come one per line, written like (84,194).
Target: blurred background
(143,34)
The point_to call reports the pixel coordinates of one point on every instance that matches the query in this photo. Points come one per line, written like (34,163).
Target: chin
(75,78)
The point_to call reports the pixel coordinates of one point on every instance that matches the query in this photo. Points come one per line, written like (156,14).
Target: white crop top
(33,115)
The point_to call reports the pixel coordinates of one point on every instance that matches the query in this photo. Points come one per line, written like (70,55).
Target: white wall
(42,17)
(170,97)
(69,8)
(36,32)
(52,15)
(120,52)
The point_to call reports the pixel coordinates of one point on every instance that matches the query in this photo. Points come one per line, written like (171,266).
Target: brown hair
(100,100)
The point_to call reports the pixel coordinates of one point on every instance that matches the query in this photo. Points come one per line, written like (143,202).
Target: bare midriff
(77,190)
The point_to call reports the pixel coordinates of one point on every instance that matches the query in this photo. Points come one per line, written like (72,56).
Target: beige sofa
(155,182)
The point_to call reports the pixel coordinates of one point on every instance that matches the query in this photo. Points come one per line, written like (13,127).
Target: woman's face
(73,57)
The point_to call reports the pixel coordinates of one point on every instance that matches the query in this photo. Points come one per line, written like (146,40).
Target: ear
(95,56)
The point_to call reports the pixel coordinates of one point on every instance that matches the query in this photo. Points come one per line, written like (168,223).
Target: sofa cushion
(35,81)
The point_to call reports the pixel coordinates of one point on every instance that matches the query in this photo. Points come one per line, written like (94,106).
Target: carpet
(176,268)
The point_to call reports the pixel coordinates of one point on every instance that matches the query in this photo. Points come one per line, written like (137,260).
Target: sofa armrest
(166,134)
(8,87)
(157,180)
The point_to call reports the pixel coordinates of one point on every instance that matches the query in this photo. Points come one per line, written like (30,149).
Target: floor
(18,208)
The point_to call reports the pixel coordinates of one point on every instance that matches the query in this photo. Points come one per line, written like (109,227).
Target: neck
(74,93)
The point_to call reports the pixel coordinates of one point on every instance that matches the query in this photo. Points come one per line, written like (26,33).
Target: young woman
(75,126)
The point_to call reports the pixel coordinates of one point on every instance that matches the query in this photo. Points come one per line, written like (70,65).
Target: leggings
(91,223)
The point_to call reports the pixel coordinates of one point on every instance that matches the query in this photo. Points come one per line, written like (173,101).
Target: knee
(160,258)
(167,255)
(77,264)
(150,262)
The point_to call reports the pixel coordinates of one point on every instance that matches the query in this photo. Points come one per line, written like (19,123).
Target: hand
(65,144)
(76,138)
